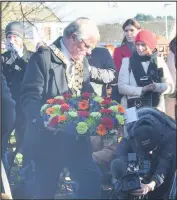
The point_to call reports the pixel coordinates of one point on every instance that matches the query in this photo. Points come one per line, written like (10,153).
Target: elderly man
(53,71)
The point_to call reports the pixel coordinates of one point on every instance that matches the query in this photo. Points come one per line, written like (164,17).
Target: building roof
(161,40)
(26,12)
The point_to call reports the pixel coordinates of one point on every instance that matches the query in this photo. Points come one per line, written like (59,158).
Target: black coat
(44,78)
(8,107)
(8,113)
(163,158)
(102,59)
(14,69)
(43,81)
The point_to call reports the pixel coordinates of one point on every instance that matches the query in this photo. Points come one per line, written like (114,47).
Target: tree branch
(26,18)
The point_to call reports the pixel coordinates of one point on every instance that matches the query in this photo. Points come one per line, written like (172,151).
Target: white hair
(83,27)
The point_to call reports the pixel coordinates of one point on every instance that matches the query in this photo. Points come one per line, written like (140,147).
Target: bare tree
(29,13)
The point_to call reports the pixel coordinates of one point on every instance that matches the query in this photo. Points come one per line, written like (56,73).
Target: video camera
(134,171)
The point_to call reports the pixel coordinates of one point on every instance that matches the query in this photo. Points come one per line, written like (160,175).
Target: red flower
(51,101)
(106,102)
(107,98)
(83,113)
(59,101)
(83,105)
(54,121)
(65,107)
(107,122)
(106,111)
(67,95)
(86,95)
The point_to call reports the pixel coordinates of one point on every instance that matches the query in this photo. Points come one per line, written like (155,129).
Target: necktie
(71,67)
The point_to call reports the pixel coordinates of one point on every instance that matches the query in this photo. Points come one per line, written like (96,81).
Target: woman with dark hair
(171,62)
(144,78)
(131,27)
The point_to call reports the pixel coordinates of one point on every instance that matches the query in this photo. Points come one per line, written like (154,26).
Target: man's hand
(60,129)
(63,128)
(145,188)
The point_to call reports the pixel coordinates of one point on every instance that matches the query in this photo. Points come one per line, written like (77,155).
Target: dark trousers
(19,127)
(19,130)
(59,151)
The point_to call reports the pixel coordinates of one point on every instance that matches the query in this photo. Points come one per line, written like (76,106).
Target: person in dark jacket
(152,137)
(102,60)
(50,73)
(14,62)
(8,113)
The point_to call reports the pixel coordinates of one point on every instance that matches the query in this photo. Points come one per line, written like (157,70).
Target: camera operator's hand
(145,188)
(149,87)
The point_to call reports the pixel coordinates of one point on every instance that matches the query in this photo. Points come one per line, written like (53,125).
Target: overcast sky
(109,12)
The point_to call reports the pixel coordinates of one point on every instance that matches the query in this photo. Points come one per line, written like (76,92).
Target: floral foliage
(91,114)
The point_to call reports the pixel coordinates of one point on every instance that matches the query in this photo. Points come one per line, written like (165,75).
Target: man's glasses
(87,46)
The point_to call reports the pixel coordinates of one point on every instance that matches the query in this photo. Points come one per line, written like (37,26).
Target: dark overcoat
(44,78)
(14,69)
(7,112)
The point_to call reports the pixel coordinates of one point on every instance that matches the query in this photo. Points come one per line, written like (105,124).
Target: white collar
(65,51)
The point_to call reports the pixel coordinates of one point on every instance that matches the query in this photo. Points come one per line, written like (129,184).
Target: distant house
(47,32)
(162,47)
(39,21)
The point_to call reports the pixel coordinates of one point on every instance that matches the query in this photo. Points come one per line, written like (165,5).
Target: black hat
(14,28)
(147,137)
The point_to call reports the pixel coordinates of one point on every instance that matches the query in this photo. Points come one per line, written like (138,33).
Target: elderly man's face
(82,48)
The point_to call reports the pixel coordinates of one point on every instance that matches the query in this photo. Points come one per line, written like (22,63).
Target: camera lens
(130,183)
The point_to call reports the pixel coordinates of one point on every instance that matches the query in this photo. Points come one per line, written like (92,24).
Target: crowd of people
(132,74)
